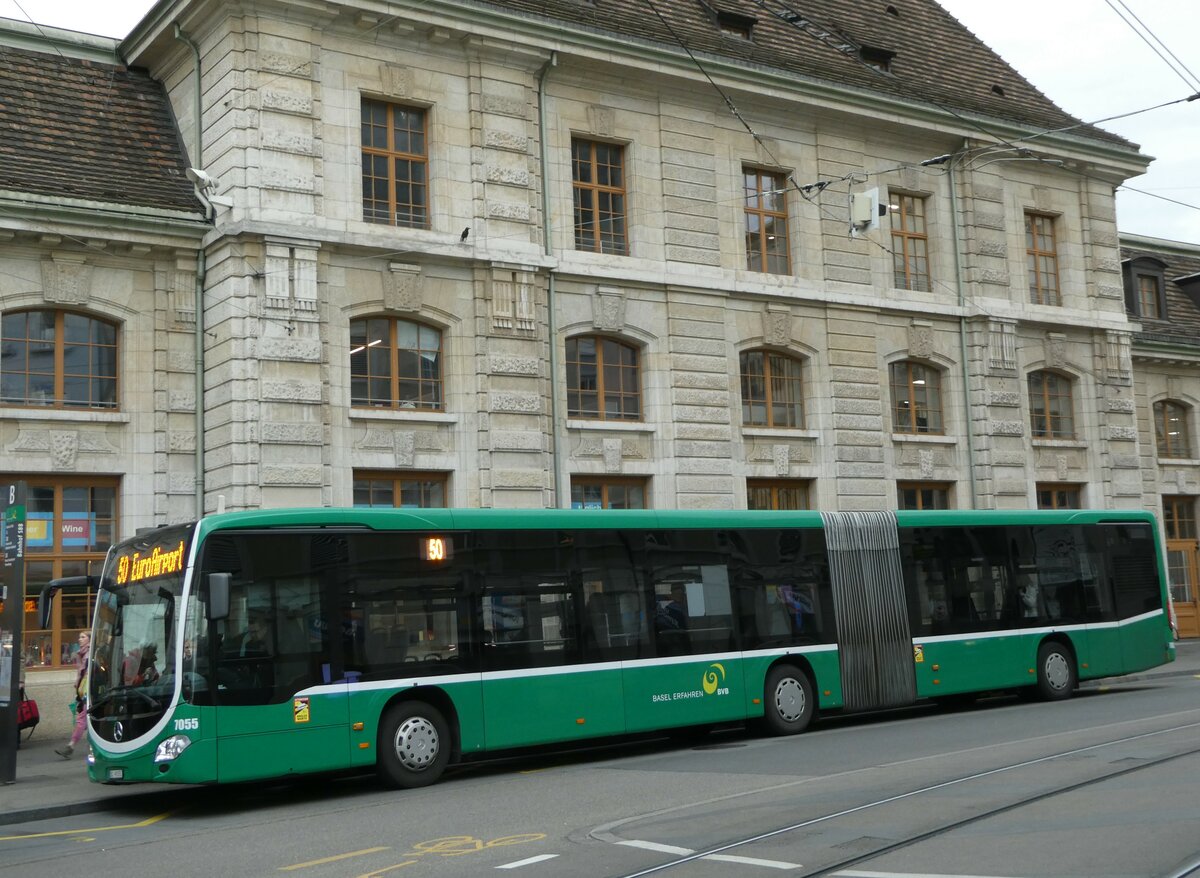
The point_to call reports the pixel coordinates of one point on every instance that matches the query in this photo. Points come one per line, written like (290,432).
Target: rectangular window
(922,495)
(910,242)
(1051,496)
(598,184)
(395,165)
(607,493)
(777,494)
(1041,252)
(409,490)
(766,221)
(1150,297)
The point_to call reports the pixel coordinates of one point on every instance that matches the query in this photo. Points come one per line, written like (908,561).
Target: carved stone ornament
(1056,349)
(395,80)
(601,120)
(777,327)
(66,282)
(608,309)
(403,287)
(920,340)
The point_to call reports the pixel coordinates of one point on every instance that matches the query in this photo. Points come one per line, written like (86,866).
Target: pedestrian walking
(82,662)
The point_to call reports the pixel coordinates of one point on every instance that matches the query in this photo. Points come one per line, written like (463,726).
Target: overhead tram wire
(1193,82)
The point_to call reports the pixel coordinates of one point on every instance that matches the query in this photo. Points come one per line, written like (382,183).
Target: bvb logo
(711,678)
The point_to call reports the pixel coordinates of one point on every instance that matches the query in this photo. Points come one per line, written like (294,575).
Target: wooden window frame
(904,393)
(622,395)
(776,488)
(1179,517)
(605,483)
(416,212)
(761,189)
(934,488)
(63,560)
(590,222)
(1041,424)
(1150,297)
(770,381)
(393,482)
(910,246)
(1041,262)
(394,402)
(1057,493)
(60,346)
(1165,446)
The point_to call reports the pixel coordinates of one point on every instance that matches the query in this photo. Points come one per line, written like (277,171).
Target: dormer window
(880,59)
(736,25)
(1145,287)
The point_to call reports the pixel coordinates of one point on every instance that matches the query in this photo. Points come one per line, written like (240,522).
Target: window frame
(58,400)
(605,483)
(933,408)
(1057,492)
(1163,446)
(935,490)
(1037,271)
(1045,429)
(619,241)
(395,403)
(1145,268)
(757,195)
(905,241)
(601,392)
(391,154)
(775,488)
(768,379)
(378,481)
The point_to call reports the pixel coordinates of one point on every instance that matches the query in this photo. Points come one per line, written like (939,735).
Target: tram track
(1187,870)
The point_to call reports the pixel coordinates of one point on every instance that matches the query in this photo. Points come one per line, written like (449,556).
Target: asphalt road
(1105,784)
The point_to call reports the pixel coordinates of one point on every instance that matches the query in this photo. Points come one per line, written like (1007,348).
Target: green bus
(269,643)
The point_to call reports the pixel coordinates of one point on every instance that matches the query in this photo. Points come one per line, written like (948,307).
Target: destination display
(139,564)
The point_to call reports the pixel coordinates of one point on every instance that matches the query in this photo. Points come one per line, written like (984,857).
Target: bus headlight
(169,750)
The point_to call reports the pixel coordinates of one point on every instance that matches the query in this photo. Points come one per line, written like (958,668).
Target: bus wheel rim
(1057,673)
(789,699)
(417,743)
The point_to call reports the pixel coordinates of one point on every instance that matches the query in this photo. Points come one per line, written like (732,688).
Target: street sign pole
(12,617)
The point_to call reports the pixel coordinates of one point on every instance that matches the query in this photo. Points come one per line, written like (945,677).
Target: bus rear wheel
(1055,672)
(788,701)
(414,745)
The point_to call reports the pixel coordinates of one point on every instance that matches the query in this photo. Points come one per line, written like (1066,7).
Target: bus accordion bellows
(268,643)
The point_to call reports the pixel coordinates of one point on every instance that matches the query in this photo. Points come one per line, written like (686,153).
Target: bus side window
(614,613)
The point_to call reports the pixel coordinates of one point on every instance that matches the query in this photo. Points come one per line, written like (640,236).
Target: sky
(1080,53)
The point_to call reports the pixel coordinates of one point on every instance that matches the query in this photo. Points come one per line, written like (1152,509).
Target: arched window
(1051,406)
(57,359)
(916,398)
(603,379)
(1171,429)
(395,364)
(772,390)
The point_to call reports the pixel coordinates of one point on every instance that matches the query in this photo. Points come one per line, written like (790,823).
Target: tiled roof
(1182,325)
(82,129)
(937,60)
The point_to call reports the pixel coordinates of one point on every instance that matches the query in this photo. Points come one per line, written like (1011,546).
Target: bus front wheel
(789,701)
(414,745)
(1055,672)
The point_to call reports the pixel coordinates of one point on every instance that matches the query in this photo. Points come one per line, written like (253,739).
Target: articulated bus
(262,644)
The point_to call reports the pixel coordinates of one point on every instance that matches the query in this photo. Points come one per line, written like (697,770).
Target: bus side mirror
(218,596)
(45,606)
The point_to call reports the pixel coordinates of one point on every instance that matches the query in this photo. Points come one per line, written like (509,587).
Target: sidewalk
(49,786)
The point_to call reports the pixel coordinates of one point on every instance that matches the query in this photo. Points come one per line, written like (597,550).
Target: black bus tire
(414,745)
(1056,676)
(788,701)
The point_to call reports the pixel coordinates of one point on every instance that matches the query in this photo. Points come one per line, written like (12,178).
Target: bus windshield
(131,680)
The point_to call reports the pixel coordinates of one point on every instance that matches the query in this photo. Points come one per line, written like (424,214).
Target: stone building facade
(527,254)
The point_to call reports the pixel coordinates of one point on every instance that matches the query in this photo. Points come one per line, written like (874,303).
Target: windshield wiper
(123,690)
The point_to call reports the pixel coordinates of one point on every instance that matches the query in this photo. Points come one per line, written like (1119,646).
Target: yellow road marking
(387,869)
(149,821)
(332,859)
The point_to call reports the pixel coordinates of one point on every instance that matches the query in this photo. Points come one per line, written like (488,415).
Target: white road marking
(540,858)
(858,873)
(724,858)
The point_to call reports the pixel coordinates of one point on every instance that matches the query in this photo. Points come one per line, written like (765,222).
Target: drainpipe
(962,331)
(551,317)
(201,268)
